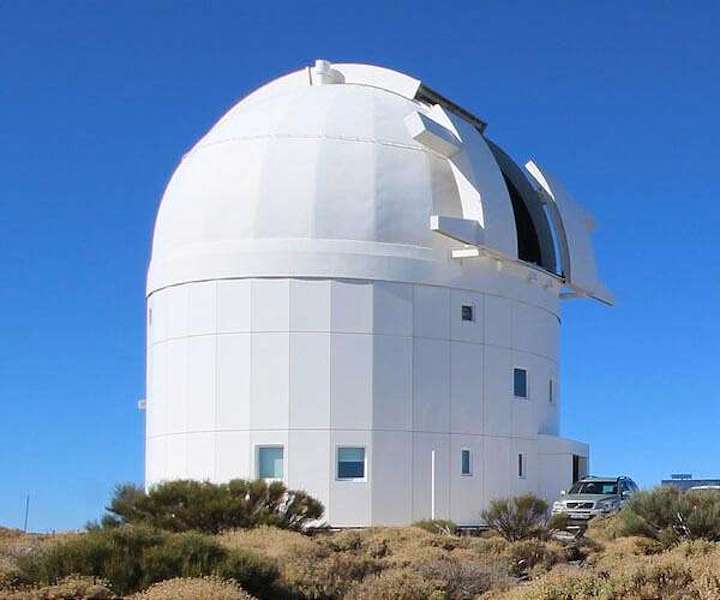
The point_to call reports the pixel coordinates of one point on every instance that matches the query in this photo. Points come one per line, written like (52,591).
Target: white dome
(326,166)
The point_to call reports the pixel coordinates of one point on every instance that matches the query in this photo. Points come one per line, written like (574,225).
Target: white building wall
(314,364)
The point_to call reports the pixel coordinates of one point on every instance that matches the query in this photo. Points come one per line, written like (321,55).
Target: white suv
(593,496)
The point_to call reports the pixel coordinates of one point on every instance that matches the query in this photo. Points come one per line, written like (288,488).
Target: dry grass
(205,588)
(625,571)
(70,588)
(414,564)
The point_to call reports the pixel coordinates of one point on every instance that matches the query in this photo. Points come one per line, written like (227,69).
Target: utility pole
(27,512)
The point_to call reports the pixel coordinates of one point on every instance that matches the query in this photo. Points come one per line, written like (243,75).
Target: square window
(270,462)
(520,387)
(351,463)
(521,466)
(465,462)
(468,312)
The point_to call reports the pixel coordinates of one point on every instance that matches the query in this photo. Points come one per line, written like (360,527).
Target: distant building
(355,291)
(685,481)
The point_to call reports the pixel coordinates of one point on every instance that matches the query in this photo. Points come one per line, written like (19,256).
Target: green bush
(441,526)
(255,573)
(520,518)
(186,505)
(670,516)
(131,558)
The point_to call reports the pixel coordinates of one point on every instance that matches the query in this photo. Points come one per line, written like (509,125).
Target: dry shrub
(520,517)
(269,541)
(70,588)
(534,557)
(442,526)
(10,574)
(205,588)
(605,528)
(667,577)
(617,552)
(689,572)
(396,584)
(564,583)
(323,574)
(462,580)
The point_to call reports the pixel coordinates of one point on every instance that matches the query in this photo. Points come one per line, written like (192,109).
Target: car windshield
(594,487)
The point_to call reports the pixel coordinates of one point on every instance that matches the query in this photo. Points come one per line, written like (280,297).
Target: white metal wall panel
(431,404)
(351,306)
(392,308)
(269,406)
(466,388)
(232,455)
(233,306)
(498,321)
(351,387)
(271,305)
(200,385)
(309,380)
(392,393)
(498,371)
(234,360)
(310,305)
(392,477)
(432,312)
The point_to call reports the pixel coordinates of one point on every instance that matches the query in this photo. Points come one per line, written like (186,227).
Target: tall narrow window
(270,462)
(520,386)
(551,392)
(521,466)
(465,462)
(467,312)
(351,463)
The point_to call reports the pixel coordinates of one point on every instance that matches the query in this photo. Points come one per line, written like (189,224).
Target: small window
(465,462)
(520,387)
(468,314)
(551,392)
(521,466)
(270,462)
(351,463)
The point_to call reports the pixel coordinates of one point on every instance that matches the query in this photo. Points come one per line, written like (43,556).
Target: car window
(595,487)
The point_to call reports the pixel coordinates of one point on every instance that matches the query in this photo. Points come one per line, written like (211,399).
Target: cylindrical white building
(353,290)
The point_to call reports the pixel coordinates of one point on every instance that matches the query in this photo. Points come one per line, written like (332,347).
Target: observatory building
(355,291)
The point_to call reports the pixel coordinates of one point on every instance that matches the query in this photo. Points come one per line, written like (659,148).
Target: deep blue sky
(98,101)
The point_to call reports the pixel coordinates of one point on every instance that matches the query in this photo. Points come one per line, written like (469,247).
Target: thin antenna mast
(27,512)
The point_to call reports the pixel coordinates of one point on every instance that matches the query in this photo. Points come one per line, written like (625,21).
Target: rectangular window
(465,462)
(270,462)
(467,312)
(521,466)
(351,463)
(520,387)
(551,392)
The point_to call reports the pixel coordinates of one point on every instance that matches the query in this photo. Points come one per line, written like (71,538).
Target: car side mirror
(563,492)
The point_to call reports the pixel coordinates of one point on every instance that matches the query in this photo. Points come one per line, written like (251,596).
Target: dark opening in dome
(528,241)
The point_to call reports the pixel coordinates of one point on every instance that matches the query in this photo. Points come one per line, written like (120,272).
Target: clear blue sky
(98,101)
